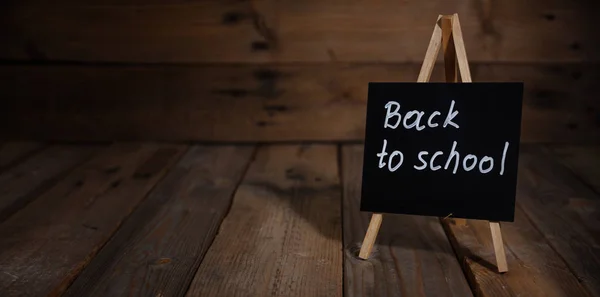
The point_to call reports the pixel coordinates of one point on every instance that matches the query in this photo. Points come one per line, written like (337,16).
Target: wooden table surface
(163,219)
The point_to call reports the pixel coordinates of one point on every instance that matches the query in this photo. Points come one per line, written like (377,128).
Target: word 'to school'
(484,164)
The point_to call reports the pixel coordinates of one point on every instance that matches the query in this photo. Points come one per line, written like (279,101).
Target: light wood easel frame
(446,33)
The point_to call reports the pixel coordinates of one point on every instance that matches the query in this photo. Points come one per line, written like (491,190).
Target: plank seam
(526,214)
(342,197)
(22,158)
(461,262)
(548,152)
(225,213)
(76,63)
(126,218)
(21,203)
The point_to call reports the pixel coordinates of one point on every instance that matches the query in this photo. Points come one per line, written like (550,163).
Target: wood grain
(320,102)
(460,48)
(412,255)
(308,31)
(583,160)
(282,236)
(13,152)
(498,244)
(26,181)
(46,244)
(158,250)
(564,210)
(534,268)
(432,53)
(370,236)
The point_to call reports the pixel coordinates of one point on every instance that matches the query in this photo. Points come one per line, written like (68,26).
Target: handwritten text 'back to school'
(437,160)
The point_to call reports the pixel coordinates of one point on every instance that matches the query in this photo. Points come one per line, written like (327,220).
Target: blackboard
(471,131)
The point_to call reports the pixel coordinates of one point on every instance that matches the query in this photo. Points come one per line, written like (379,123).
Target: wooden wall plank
(158,250)
(46,244)
(282,236)
(317,102)
(13,152)
(412,256)
(534,268)
(584,161)
(29,179)
(564,210)
(307,31)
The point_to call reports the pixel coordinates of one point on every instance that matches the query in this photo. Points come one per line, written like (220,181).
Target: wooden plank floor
(161,219)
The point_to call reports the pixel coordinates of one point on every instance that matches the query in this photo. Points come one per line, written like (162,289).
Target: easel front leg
(369,241)
(498,247)
(450,68)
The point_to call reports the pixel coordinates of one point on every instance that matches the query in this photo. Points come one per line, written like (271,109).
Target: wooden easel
(446,32)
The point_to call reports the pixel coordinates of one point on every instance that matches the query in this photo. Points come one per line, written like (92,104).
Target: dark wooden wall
(275,70)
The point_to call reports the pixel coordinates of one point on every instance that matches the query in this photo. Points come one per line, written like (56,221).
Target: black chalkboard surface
(439,149)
